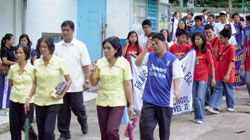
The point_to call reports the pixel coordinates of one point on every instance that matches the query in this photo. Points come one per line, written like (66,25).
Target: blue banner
(238,80)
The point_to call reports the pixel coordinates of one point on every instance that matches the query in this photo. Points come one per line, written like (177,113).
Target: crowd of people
(35,75)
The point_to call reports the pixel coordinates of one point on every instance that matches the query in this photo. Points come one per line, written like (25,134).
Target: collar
(118,62)
(69,44)
(52,61)
(16,68)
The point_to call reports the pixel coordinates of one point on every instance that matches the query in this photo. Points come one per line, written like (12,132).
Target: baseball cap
(223,13)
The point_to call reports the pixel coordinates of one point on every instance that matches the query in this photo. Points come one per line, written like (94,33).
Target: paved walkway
(224,126)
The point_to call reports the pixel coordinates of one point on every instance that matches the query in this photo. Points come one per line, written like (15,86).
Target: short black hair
(198,18)
(208,26)
(211,15)
(217,17)
(146,22)
(151,34)
(181,32)
(191,14)
(248,17)
(226,33)
(159,36)
(68,23)
(50,43)
(242,19)
(235,14)
(204,10)
(189,35)
(115,43)
(26,50)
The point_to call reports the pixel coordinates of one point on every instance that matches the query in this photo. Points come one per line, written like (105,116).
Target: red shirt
(223,63)
(217,44)
(247,65)
(202,65)
(209,46)
(132,50)
(179,51)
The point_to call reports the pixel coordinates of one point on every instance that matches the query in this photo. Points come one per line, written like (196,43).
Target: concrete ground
(224,126)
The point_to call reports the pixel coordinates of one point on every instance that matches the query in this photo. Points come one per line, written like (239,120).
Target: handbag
(4,69)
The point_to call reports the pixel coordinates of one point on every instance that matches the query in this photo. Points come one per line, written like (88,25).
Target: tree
(230,7)
(180,7)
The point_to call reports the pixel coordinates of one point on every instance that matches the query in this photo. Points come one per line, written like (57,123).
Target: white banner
(184,103)
(139,82)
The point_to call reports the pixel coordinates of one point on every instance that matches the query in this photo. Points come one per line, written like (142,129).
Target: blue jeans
(199,92)
(215,100)
(248,82)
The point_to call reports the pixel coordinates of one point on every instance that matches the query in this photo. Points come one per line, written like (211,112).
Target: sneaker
(214,110)
(207,107)
(223,97)
(199,122)
(230,109)
(194,120)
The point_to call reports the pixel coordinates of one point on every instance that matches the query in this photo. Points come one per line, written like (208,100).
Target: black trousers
(46,121)
(17,119)
(72,101)
(150,116)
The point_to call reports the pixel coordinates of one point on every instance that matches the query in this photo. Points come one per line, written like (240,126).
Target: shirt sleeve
(10,73)
(231,53)
(33,53)
(209,57)
(64,68)
(233,29)
(145,60)
(85,59)
(127,74)
(4,53)
(177,70)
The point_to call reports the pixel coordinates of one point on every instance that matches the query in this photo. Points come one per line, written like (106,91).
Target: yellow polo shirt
(48,78)
(22,83)
(111,91)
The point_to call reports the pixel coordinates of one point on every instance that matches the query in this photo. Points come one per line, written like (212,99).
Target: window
(56,36)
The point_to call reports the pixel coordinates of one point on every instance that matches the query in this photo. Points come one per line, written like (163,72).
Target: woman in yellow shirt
(48,72)
(21,80)
(115,89)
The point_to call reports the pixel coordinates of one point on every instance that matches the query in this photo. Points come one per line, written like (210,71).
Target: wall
(11,18)
(47,16)
(118,18)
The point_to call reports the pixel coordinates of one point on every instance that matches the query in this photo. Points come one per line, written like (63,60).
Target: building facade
(94,20)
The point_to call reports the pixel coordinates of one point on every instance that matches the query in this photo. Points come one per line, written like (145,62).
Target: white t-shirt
(76,56)
(219,26)
(143,41)
(232,40)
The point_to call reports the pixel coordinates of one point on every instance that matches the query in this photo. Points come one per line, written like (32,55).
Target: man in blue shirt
(197,27)
(239,27)
(163,68)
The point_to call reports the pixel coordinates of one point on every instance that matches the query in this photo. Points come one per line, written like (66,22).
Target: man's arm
(86,77)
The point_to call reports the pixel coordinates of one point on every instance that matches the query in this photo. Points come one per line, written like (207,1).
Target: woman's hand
(130,111)
(27,106)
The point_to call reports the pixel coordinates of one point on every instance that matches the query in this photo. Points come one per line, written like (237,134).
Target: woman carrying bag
(8,58)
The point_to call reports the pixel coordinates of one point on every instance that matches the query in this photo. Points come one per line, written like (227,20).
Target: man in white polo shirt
(76,55)
(220,26)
